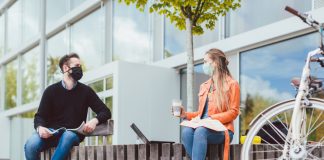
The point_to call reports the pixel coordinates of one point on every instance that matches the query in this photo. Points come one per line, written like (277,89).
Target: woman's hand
(196,119)
(182,112)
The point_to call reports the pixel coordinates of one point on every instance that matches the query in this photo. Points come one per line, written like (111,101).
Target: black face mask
(76,73)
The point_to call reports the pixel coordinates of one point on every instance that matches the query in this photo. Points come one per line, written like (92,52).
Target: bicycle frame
(297,130)
(296,144)
(298,122)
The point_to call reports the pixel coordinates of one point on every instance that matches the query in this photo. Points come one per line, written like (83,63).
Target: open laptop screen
(139,134)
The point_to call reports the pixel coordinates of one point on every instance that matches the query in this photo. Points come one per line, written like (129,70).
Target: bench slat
(166,151)
(132,151)
(82,153)
(177,151)
(74,153)
(143,152)
(90,152)
(154,151)
(212,152)
(121,152)
(100,152)
(110,152)
(235,151)
(258,151)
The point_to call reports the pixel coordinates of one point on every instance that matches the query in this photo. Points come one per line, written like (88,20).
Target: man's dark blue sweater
(60,107)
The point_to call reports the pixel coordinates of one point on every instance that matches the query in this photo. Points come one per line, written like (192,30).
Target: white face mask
(208,69)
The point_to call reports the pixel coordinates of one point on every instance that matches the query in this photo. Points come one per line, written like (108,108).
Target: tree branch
(184,11)
(189,12)
(197,9)
(198,13)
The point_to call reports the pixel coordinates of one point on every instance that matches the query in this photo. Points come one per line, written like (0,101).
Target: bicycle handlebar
(302,16)
(319,60)
(293,11)
(310,21)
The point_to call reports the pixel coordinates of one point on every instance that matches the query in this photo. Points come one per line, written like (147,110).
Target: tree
(52,69)
(254,104)
(11,85)
(189,15)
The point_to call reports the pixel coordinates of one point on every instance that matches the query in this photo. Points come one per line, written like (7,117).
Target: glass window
(131,34)
(30,76)
(249,17)
(11,84)
(76,3)
(173,44)
(31,9)
(199,78)
(55,9)
(175,40)
(265,74)
(2,34)
(56,48)
(109,103)
(99,140)
(14,35)
(97,86)
(109,83)
(1,87)
(21,129)
(87,40)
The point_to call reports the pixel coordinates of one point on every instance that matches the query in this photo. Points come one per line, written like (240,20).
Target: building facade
(266,46)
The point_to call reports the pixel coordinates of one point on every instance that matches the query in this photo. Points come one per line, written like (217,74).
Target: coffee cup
(176,107)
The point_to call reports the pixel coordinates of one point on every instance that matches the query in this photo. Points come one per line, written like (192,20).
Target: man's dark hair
(66,58)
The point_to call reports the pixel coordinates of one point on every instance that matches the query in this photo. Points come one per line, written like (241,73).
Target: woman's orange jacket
(226,117)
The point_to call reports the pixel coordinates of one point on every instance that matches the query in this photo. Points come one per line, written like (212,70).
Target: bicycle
(299,118)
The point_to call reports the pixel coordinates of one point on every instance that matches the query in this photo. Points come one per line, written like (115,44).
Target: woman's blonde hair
(222,72)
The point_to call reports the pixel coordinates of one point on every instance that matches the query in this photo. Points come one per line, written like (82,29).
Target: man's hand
(42,131)
(90,125)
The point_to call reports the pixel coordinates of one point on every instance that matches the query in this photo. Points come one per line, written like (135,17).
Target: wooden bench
(104,130)
(164,151)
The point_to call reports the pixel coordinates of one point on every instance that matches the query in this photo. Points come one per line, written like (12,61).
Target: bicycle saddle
(316,84)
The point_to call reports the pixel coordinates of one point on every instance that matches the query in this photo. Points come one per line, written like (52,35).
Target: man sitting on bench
(65,104)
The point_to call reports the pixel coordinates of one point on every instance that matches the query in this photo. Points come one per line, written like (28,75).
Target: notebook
(143,137)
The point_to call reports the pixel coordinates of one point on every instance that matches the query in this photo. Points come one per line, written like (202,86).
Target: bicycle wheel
(273,141)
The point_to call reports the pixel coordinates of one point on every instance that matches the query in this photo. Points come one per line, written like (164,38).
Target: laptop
(143,137)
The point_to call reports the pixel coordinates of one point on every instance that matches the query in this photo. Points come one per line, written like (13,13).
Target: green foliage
(11,85)
(30,83)
(97,86)
(109,83)
(1,51)
(52,68)
(202,13)
(167,53)
(253,106)
(29,114)
(109,103)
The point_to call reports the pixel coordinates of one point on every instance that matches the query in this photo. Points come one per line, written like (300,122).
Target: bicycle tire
(272,112)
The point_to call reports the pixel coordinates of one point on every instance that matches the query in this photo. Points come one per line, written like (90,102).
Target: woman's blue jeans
(195,140)
(63,143)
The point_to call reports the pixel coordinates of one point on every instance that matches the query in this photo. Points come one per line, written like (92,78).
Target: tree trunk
(190,67)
